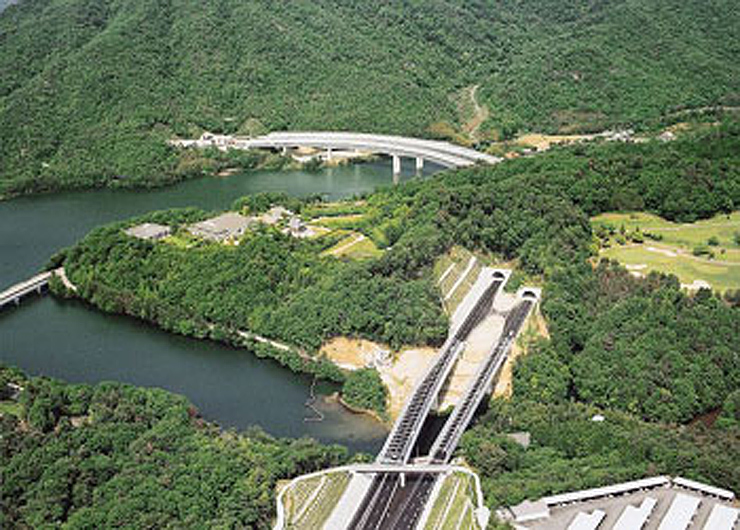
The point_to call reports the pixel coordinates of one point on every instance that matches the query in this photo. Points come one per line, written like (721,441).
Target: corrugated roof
(634,518)
(705,488)
(606,490)
(587,521)
(680,513)
(722,518)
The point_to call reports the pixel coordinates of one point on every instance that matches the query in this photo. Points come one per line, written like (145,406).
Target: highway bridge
(443,153)
(480,385)
(396,500)
(14,294)
(402,438)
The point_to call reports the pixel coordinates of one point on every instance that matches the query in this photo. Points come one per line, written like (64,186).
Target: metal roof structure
(617,489)
(633,518)
(681,512)
(224,226)
(722,518)
(658,503)
(587,521)
(149,231)
(529,511)
(704,488)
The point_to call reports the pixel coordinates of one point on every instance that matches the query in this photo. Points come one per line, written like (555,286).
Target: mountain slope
(89,90)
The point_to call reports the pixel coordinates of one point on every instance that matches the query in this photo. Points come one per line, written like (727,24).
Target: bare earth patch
(401,376)
(543,142)
(663,251)
(350,354)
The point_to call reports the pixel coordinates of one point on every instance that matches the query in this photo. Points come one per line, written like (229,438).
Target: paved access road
(391,505)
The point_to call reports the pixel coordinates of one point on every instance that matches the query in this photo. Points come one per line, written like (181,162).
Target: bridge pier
(396,169)
(328,154)
(419,164)
(396,165)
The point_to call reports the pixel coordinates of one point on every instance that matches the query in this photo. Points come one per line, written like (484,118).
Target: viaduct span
(443,153)
(401,490)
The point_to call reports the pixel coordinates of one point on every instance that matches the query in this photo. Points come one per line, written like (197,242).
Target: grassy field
(720,276)
(723,228)
(669,247)
(355,246)
(340,221)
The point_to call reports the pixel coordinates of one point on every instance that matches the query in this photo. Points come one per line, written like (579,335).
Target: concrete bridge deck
(443,153)
(405,432)
(448,438)
(13,294)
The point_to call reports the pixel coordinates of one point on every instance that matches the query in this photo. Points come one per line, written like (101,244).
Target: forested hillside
(114,456)
(639,346)
(660,364)
(6,3)
(91,90)
(569,451)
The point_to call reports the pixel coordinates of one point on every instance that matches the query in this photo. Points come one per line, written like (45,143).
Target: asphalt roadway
(391,506)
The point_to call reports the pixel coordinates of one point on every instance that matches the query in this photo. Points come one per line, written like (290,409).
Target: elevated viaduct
(400,492)
(14,294)
(442,153)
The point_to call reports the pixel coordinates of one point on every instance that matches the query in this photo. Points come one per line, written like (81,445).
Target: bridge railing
(24,288)
(400,442)
(452,431)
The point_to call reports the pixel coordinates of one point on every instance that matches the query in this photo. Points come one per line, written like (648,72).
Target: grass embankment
(11,408)
(309,503)
(346,219)
(453,508)
(355,246)
(455,273)
(705,251)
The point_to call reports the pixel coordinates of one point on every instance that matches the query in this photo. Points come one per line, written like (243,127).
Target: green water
(231,387)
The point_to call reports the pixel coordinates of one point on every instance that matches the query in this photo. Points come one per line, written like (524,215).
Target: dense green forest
(91,90)
(364,389)
(6,3)
(532,210)
(657,361)
(569,451)
(271,284)
(113,455)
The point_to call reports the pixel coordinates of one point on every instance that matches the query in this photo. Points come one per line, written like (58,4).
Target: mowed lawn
(720,275)
(355,246)
(673,253)
(687,236)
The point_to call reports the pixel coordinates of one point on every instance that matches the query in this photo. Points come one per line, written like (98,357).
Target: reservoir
(232,387)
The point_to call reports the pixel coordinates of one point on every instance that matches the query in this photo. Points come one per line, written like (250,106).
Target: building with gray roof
(226,226)
(149,231)
(657,503)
